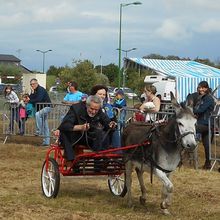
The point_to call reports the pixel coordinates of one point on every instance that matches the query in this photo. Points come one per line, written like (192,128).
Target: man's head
(34,83)
(93,104)
(73,86)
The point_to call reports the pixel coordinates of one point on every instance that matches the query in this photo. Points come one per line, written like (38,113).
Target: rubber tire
(117,185)
(50,180)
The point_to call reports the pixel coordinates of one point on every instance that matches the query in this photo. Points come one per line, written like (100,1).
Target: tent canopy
(187,73)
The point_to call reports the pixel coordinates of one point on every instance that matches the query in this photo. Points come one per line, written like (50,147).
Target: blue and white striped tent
(186,73)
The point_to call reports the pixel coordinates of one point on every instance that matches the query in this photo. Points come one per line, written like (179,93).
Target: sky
(89,29)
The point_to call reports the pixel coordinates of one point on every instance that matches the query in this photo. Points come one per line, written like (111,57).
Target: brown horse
(161,155)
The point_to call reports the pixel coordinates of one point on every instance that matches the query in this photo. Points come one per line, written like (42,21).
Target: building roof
(177,68)
(9,58)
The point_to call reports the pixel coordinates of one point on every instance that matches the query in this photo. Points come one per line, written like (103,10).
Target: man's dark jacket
(78,115)
(40,95)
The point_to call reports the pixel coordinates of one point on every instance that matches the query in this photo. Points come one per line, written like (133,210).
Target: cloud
(208,26)
(13,21)
(53,13)
(172,30)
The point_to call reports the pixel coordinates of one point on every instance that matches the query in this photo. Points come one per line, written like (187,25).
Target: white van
(163,84)
(164,88)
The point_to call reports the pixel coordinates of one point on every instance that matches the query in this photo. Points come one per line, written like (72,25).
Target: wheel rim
(117,184)
(48,179)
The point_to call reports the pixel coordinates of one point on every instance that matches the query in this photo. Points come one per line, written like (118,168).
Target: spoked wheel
(116,184)
(50,178)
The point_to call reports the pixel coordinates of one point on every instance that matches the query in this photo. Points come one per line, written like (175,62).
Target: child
(120,103)
(13,100)
(23,113)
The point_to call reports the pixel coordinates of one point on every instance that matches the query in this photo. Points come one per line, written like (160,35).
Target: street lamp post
(119,45)
(124,71)
(43,52)
(127,51)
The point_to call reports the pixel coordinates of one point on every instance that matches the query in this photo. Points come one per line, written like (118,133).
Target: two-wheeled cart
(86,163)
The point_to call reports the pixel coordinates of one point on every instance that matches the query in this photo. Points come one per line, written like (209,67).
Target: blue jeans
(42,124)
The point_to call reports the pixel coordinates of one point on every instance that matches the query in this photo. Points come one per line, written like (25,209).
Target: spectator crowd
(93,120)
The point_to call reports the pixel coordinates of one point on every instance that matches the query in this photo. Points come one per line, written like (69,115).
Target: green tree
(205,61)
(10,74)
(54,71)
(84,74)
(134,80)
(111,71)
(154,56)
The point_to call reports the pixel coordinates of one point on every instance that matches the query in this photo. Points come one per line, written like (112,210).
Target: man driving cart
(84,124)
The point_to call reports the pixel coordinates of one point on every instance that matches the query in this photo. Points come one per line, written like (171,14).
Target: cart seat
(79,149)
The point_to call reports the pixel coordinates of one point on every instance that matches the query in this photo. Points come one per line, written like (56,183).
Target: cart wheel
(116,184)
(50,179)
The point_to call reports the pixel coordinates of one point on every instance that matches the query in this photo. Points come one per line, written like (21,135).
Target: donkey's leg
(143,188)
(167,190)
(128,172)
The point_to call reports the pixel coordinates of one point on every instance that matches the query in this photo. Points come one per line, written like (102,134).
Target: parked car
(53,89)
(128,92)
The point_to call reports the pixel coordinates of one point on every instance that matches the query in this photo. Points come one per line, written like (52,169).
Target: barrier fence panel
(214,139)
(48,118)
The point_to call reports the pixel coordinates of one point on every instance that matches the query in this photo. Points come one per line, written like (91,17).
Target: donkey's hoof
(142,200)
(165,212)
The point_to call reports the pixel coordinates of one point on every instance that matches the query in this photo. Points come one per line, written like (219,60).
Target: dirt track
(196,193)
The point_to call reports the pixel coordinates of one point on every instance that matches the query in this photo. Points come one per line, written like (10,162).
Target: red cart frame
(86,163)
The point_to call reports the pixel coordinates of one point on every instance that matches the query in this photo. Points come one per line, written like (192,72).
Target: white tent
(186,73)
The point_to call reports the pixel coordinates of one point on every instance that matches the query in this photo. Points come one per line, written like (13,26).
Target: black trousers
(96,140)
(204,131)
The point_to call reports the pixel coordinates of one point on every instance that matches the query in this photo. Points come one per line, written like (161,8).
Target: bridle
(179,136)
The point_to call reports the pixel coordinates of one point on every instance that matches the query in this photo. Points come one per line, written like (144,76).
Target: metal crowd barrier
(13,125)
(214,139)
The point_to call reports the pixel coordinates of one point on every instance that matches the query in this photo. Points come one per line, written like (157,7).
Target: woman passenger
(112,138)
(152,105)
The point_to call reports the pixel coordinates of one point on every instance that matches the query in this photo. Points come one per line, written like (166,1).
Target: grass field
(196,192)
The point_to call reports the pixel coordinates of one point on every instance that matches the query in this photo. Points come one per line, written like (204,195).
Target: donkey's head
(185,123)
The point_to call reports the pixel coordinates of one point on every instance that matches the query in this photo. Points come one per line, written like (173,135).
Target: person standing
(40,95)
(203,110)
(120,103)
(22,112)
(74,95)
(152,105)
(12,98)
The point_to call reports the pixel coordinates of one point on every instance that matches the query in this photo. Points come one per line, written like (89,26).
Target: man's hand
(83,127)
(112,124)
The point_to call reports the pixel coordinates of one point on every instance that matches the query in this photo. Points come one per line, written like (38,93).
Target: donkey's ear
(190,103)
(177,107)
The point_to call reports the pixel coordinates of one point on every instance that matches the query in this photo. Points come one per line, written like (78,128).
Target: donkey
(162,153)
